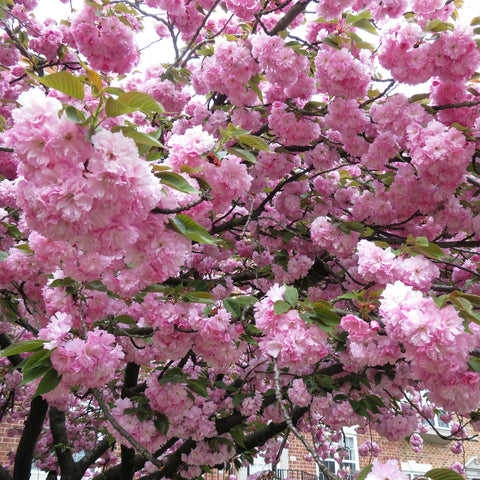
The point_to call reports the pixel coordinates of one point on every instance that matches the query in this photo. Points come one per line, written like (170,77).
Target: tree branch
(289,421)
(289,17)
(143,451)
(61,441)
(128,454)
(28,440)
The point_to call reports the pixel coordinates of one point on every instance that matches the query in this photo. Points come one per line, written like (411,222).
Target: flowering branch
(278,394)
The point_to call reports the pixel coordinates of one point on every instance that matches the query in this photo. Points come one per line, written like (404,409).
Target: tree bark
(28,440)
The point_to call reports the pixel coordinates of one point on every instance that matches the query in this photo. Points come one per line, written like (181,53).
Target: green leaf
(176,181)
(238,435)
(252,329)
(3,256)
(233,307)
(23,347)
(291,296)
(364,472)
(161,423)
(49,382)
(437,26)
(238,399)
(474,363)
(62,282)
(74,115)
(254,142)
(140,101)
(422,246)
(348,227)
(41,357)
(127,319)
(95,79)
(253,83)
(198,386)
(363,15)
(475,21)
(191,229)
(244,154)
(248,339)
(280,307)
(114,108)
(64,82)
(365,24)
(96,285)
(200,297)
(35,372)
(418,97)
(443,474)
(140,137)
(172,375)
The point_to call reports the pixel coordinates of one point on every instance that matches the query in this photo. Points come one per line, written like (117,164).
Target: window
(414,469)
(350,461)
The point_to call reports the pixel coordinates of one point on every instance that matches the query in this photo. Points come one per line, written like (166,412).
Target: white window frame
(414,469)
(350,433)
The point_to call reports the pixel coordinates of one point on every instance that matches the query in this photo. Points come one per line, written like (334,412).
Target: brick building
(293,465)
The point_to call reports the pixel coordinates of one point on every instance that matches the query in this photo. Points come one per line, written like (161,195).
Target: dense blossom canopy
(269,234)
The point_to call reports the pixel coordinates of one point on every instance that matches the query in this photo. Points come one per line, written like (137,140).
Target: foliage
(261,236)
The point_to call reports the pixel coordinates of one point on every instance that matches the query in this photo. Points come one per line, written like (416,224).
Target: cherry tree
(268,235)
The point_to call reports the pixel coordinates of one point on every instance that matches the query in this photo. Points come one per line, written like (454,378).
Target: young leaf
(114,108)
(366,25)
(291,296)
(141,138)
(74,115)
(176,181)
(23,347)
(191,229)
(443,474)
(254,142)
(64,82)
(280,307)
(244,154)
(49,382)
(161,423)
(140,102)
(364,472)
(198,386)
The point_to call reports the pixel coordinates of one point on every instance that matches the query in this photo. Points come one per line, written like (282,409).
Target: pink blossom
(57,330)
(389,470)
(107,43)
(338,72)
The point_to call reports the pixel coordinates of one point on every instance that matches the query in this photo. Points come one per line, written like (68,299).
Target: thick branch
(30,434)
(289,17)
(92,455)
(128,454)
(455,105)
(67,465)
(4,475)
(4,343)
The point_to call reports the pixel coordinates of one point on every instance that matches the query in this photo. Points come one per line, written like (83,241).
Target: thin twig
(141,450)
(278,394)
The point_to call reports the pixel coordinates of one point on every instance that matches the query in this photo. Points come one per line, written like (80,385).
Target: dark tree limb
(4,343)
(67,465)
(289,17)
(127,453)
(28,440)
(92,455)
(4,474)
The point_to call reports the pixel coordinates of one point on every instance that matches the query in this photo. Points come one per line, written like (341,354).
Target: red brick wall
(435,454)
(8,443)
